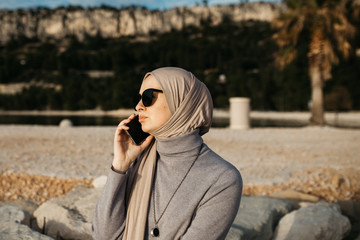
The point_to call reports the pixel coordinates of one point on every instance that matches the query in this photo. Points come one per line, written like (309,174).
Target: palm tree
(326,26)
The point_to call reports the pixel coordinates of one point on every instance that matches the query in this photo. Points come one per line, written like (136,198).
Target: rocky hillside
(110,23)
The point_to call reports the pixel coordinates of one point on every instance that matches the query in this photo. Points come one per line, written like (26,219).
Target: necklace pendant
(155,232)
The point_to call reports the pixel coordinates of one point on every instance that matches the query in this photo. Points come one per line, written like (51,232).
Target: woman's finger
(146,143)
(127,120)
(132,116)
(122,125)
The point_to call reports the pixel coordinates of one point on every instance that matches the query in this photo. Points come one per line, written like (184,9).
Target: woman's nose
(139,107)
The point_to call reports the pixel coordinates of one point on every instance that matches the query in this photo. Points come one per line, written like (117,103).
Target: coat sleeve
(110,211)
(218,208)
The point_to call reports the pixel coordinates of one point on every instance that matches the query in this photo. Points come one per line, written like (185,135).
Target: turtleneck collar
(181,146)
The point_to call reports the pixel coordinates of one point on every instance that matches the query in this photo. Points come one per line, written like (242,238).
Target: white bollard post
(239,113)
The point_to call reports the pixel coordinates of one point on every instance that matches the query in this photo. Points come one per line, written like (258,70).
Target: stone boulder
(317,221)
(28,207)
(257,218)
(69,216)
(12,220)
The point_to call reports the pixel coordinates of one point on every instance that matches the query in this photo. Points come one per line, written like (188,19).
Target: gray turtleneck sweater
(204,206)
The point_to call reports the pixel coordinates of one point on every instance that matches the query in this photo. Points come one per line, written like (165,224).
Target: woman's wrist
(119,168)
(117,171)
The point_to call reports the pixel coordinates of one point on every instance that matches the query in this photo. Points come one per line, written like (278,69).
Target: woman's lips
(141,118)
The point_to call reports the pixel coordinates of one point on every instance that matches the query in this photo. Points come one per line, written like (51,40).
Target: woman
(172,186)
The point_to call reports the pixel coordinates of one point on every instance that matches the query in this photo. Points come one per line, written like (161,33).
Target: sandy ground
(319,161)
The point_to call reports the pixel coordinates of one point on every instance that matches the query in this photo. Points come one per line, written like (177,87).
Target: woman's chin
(145,129)
(148,127)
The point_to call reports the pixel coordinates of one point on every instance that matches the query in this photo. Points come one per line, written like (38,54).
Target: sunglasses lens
(147,97)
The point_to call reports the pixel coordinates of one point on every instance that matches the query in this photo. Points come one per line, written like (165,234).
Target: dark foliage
(231,59)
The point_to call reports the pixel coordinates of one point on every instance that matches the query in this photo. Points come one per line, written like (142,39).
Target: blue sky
(151,4)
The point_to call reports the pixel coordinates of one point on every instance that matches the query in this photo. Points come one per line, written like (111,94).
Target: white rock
(69,216)
(99,182)
(318,221)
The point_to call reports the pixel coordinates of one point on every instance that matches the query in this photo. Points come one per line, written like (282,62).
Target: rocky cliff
(111,23)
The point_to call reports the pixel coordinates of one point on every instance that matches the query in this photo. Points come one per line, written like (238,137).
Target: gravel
(320,161)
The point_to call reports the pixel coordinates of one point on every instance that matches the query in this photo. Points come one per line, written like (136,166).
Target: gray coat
(204,207)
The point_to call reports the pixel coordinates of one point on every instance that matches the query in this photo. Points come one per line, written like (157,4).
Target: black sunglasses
(146,97)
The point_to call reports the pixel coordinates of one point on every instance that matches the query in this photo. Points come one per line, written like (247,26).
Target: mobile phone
(135,132)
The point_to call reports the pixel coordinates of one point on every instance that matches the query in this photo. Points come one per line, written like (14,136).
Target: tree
(324,26)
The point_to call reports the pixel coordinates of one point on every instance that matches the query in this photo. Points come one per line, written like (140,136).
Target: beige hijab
(191,107)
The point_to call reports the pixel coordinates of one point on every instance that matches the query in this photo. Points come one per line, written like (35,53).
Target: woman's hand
(125,151)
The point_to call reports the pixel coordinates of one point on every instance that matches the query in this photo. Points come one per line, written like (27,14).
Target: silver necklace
(155,232)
